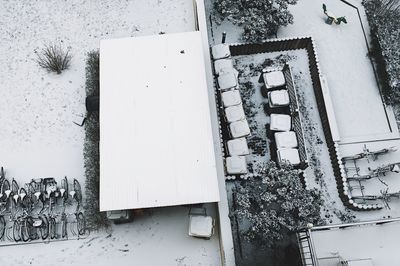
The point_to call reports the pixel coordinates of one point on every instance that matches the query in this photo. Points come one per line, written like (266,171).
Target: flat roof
(156,145)
(375,243)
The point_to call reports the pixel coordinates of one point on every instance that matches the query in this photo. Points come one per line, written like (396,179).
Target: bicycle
(20,230)
(5,193)
(78,227)
(38,224)
(45,190)
(2,226)
(80,224)
(76,194)
(64,191)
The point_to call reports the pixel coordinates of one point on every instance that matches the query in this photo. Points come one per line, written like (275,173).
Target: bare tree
(53,58)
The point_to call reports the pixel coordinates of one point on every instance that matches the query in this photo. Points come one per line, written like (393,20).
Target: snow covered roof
(239,129)
(227,80)
(280,122)
(154,101)
(200,226)
(230,98)
(286,139)
(223,65)
(366,243)
(220,51)
(236,165)
(278,98)
(234,113)
(274,79)
(237,146)
(289,154)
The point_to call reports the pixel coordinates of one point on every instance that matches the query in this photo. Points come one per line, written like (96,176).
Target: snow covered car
(120,216)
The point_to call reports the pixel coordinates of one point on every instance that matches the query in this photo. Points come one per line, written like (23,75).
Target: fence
(307,252)
(328,124)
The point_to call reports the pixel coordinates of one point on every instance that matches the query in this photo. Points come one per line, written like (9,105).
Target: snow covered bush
(276,204)
(53,58)
(260,19)
(384,19)
(95,218)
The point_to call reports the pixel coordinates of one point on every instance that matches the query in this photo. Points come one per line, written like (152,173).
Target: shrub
(276,204)
(53,58)
(260,19)
(95,218)
(384,19)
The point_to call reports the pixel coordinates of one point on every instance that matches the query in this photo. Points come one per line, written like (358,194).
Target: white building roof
(372,243)
(156,146)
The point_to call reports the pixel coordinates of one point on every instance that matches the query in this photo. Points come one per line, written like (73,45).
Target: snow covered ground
(343,60)
(155,238)
(38,137)
(37,109)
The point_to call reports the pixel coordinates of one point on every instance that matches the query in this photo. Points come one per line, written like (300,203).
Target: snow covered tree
(276,204)
(260,19)
(384,19)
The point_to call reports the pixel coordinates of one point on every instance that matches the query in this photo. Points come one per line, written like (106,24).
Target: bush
(260,19)
(384,19)
(276,204)
(95,218)
(53,58)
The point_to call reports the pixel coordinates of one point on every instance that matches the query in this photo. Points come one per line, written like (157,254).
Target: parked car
(120,216)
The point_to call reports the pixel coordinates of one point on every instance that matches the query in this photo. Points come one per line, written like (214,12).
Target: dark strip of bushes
(95,218)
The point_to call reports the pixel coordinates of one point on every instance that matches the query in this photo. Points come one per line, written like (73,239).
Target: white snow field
(38,137)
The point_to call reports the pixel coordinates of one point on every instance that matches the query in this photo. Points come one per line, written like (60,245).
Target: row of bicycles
(41,209)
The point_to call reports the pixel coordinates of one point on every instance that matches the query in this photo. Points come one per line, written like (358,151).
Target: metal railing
(296,119)
(306,249)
